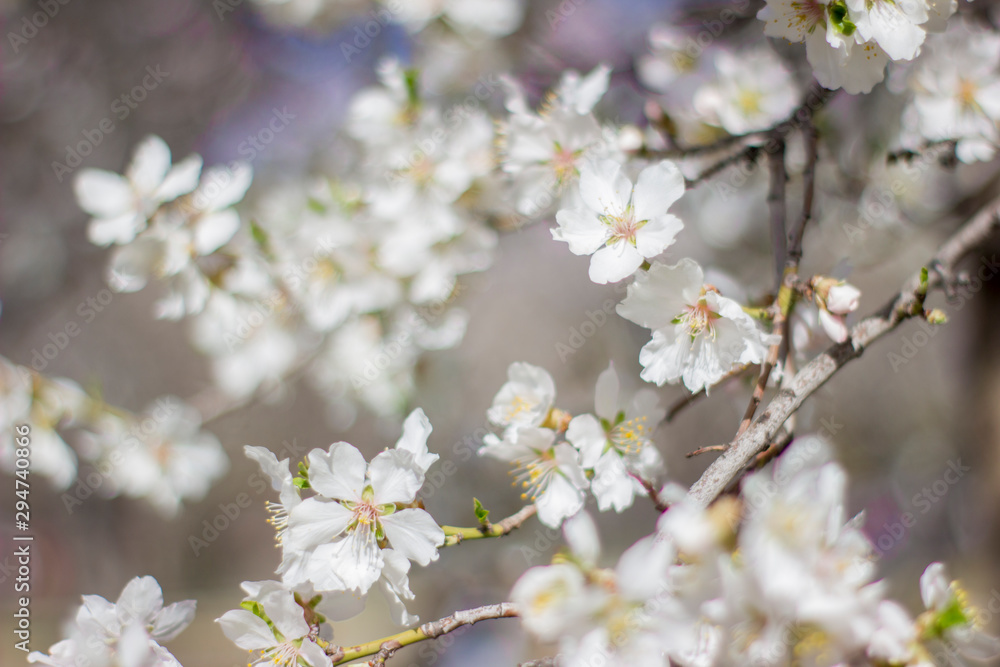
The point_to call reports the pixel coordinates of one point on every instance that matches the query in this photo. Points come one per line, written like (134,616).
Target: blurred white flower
(752,90)
(122,205)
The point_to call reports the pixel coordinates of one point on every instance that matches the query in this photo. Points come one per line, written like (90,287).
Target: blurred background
(899,426)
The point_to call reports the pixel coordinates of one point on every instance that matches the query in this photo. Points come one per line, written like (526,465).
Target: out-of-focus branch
(383,648)
(908,303)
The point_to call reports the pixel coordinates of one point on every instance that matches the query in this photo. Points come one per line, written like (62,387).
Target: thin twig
(776,204)
(383,648)
(455,535)
(688,399)
(705,450)
(814,374)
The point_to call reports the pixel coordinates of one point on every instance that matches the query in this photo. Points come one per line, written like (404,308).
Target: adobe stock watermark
(161,412)
(456,115)
(363,34)
(88,310)
(922,501)
(912,344)
(585,330)
(32,23)
(394,348)
(121,108)
(230,512)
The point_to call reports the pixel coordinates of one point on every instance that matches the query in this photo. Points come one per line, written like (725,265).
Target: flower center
(563,163)
(629,437)
(623,226)
(698,317)
(967,93)
(285,654)
(533,475)
(807,13)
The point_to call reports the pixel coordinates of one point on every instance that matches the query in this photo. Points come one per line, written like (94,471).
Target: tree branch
(383,648)
(813,375)
(455,535)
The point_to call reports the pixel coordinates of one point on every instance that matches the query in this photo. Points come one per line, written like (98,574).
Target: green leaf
(840,18)
(257,233)
(412,79)
(482,514)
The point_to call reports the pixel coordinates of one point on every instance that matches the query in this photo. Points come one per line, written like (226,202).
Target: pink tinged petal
(180,180)
(172,620)
(656,189)
(603,188)
(833,325)
(139,601)
(214,230)
(561,499)
(588,436)
(657,235)
(414,533)
(285,613)
(614,262)
(395,478)
(606,394)
(102,193)
(581,230)
(935,589)
(338,473)
(313,522)
(843,299)
(247,631)
(149,165)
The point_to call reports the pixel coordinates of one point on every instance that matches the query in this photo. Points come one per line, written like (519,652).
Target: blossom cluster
(161,455)
(557,457)
(125,633)
(780,576)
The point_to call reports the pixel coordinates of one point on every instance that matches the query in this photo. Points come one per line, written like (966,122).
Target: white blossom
(620,226)
(698,335)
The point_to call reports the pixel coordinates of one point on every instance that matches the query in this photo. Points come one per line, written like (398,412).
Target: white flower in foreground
(622,227)
(698,335)
(616,443)
(951,618)
(549,473)
(614,614)
(341,532)
(752,91)
(525,399)
(834,48)
(126,633)
(276,628)
(122,205)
